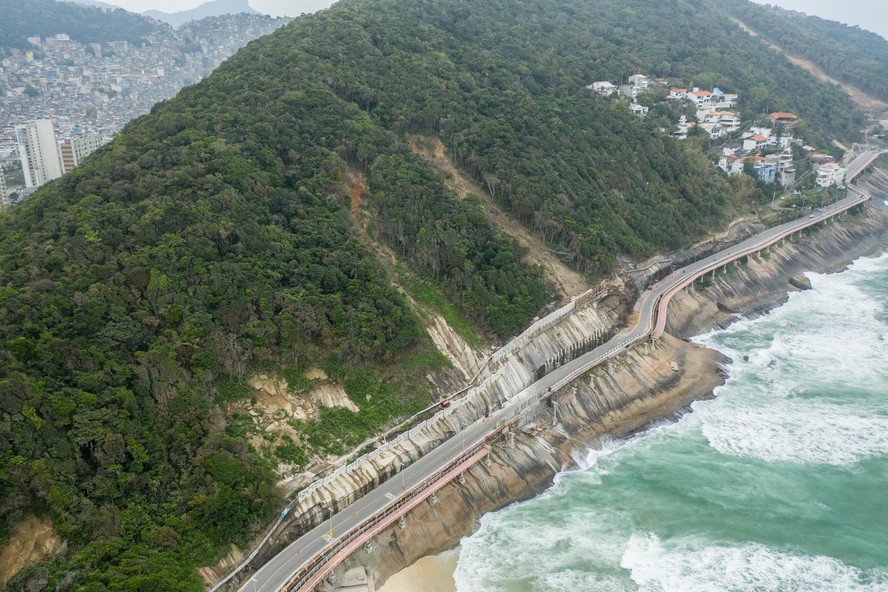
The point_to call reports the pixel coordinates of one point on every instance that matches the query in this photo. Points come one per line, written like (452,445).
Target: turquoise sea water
(779,483)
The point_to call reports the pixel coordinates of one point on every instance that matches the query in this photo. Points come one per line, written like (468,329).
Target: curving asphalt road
(275,575)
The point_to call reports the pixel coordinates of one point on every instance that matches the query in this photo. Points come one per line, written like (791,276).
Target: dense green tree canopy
(85,24)
(846,53)
(214,237)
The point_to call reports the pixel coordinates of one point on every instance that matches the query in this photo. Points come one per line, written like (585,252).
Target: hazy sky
(868,14)
(273,7)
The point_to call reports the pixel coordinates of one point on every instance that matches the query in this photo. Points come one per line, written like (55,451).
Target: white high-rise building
(39,152)
(75,149)
(4,192)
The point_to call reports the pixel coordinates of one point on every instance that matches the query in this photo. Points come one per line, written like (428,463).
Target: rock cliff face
(629,393)
(551,347)
(624,396)
(32,541)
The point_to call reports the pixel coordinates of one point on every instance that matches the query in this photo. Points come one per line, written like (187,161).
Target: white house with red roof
(783,118)
(732,165)
(701,98)
(677,93)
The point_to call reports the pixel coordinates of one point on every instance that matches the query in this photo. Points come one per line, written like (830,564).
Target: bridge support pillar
(462,478)
(368,547)
(433,499)
(487,460)
(402,523)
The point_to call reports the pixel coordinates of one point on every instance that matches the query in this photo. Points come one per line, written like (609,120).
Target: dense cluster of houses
(630,90)
(770,155)
(767,152)
(770,168)
(713,111)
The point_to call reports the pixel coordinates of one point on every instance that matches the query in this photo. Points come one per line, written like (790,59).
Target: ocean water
(780,483)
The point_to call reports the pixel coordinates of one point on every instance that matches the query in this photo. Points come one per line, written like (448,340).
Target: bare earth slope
(873,107)
(567,281)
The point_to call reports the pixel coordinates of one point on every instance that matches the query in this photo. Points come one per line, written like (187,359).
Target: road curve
(289,570)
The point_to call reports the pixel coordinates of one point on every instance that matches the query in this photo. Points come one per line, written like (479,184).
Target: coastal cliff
(646,384)
(628,394)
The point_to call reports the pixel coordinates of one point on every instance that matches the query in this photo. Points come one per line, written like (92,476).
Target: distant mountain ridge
(95,4)
(85,24)
(847,53)
(207,9)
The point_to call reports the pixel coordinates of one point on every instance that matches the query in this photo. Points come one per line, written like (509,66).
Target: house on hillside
(786,172)
(783,118)
(603,88)
(732,165)
(714,128)
(758,131)
(830,174)
(629,91)
(701,98)
(639,81)
(728,119)
(639,110)
(677,93)
(722,100)
(756,142)
(765,169)
(683,128)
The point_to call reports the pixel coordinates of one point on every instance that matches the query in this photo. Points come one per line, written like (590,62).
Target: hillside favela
(443,296)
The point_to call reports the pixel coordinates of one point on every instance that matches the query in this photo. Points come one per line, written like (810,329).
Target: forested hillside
(85,24)
(213,239)
(849,54)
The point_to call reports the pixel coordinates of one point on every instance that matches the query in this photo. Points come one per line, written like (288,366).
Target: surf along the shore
(762,284)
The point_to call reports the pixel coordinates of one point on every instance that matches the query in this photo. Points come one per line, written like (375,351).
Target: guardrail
(800,224)
(660,327)
(520,340)
(312,573)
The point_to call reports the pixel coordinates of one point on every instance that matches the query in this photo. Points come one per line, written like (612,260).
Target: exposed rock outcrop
(33,540)
(629,393)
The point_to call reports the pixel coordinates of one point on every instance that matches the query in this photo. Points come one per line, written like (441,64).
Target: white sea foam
(810,393)
(795,430)
(766,409)
(580,581)
(656,567)
(539,546)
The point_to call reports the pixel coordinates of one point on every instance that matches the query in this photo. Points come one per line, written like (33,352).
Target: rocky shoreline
(624,396)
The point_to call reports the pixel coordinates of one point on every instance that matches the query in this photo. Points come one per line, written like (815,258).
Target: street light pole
(254,580)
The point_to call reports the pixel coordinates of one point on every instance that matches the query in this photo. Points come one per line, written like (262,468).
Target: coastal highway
(278,574)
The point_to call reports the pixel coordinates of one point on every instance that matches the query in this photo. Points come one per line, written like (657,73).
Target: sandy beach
(430,574)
